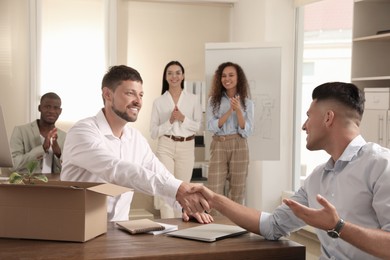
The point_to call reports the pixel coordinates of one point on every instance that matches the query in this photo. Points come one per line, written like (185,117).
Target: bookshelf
(370,68)
(370,50)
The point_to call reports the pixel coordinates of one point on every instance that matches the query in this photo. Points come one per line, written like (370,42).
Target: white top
(93,154)
(162,109)
(47,160)
(357,184)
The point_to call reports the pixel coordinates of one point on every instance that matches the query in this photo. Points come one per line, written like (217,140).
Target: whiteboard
(262,66)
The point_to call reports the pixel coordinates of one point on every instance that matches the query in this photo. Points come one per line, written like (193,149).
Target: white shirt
(47,159)
(93,154)
(163,106)
(357,184)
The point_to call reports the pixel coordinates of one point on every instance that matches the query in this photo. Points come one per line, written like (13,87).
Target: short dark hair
(116,74)
(347,94)
(165,84)
(50,95)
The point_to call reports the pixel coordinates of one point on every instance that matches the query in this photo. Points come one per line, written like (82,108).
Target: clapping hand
(176,115)
(51,141)
(235,103)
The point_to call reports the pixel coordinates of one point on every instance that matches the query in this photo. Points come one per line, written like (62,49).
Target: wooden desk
(117,244)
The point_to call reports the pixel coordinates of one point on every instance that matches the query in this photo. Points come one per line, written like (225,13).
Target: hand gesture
(203,218)
(206,193)
(192,202)
(176,115)
(235,103)
(52,134)
(325,218)
(51,141)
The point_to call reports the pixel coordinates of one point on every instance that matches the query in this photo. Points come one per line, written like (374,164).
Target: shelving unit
(371,66)
(370,50)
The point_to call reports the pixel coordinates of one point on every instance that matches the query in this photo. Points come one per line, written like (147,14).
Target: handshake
(196,201)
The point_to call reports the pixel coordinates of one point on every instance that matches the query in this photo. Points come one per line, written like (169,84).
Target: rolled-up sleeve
(282,221)
(249,120)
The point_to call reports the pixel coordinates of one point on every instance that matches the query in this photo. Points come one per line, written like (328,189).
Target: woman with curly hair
(230,118)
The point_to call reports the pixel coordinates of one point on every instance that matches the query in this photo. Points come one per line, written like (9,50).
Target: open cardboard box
(56,210)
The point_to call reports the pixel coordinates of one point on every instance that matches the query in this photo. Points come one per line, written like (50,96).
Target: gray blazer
(26,146)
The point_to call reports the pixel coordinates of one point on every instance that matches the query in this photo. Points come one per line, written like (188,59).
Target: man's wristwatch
(335,233)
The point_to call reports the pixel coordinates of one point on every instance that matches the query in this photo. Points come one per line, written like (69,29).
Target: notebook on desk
(209,232)
(139,226)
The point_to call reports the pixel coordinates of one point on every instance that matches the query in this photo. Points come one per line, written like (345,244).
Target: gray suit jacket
(26,146)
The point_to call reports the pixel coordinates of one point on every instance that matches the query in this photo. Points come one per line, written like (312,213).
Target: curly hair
(217,88)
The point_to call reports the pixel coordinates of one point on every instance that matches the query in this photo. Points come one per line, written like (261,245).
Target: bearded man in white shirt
(104,148)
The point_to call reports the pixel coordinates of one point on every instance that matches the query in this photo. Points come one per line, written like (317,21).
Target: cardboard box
(57,210)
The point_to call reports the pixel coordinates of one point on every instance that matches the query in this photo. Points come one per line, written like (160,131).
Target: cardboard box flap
(109,189)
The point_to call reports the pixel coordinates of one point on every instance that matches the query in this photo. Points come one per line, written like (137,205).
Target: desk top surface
(118,244)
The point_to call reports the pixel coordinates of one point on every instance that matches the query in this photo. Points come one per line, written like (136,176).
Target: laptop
(5,151)
(209,232)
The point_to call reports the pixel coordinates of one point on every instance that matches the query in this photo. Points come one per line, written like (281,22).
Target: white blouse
(163,106)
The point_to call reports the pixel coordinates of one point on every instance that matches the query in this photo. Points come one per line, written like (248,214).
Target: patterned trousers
(228,167)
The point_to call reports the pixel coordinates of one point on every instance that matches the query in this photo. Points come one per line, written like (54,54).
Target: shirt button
(333,258)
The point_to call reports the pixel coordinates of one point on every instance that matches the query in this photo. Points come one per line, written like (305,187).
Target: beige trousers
(179,159)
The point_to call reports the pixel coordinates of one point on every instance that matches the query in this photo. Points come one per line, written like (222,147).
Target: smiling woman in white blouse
(176,117)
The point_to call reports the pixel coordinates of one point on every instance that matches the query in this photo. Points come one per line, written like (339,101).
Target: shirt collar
(349,153)
(226,95)
(105,127)
(352,149)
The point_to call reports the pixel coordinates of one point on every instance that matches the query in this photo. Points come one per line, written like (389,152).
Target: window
(72,54)
(324,54)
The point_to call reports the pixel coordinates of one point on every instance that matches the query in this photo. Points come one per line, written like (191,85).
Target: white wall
(14,62)
(149,50)
(270,21)
(161,32)
(150,46)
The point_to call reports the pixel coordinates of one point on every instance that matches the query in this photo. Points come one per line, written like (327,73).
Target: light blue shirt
(231,125)
(358,185)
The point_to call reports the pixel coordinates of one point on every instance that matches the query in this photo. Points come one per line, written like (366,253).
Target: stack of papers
(168,228)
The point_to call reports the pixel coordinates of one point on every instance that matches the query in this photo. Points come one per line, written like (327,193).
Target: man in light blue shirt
(346,199)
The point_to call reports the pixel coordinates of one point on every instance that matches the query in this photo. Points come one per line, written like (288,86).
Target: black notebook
(139,226)
(209,232)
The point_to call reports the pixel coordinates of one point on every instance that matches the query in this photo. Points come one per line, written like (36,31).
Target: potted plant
(29,177)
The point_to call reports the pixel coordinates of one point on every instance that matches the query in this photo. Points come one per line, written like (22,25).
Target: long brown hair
(217,88)
(165,84)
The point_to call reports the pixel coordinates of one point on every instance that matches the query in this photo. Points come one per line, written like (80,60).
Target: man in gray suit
(40,140)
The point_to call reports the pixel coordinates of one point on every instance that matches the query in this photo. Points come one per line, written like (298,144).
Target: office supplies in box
(57,210)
